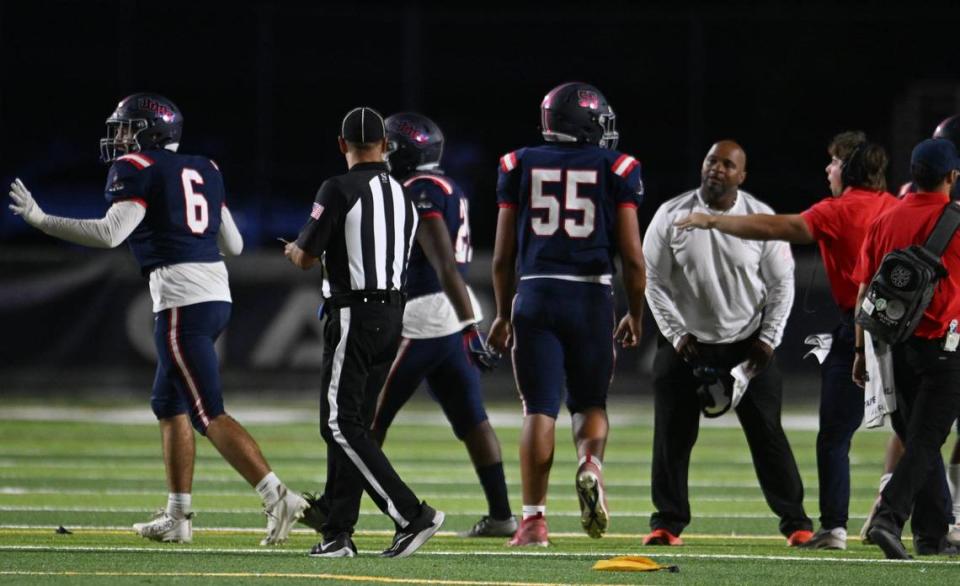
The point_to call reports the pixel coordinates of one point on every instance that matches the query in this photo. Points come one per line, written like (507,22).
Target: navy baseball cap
(362,125)
(937,154)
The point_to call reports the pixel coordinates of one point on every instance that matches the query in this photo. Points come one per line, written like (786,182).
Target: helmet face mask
(141,122)
(577,112)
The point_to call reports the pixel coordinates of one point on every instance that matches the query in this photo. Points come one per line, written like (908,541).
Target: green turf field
(96,475)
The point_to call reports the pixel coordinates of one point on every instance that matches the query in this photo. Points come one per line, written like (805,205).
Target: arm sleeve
(107,232)
(126,182)
(326,214)
(228,238)
(508,180)
(776,270)
(822,220)
(429,199)
(660,265)
(628,181)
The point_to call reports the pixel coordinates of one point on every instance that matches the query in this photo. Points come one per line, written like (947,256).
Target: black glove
(476,346)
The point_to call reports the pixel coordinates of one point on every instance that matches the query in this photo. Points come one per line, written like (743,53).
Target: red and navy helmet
(950,130)
(578,112)
(141,122)
(414,142)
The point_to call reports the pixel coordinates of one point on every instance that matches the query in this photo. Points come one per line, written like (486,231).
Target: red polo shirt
(839,225)
(910,222)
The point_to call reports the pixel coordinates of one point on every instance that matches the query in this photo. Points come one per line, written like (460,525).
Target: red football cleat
(532,531)
(799,537)
(662,537)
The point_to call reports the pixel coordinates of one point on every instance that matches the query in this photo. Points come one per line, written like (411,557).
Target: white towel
(880,394)
(741,379)
(821,346)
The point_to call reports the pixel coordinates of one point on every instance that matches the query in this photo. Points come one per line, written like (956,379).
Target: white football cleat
(165,528)
(282,516)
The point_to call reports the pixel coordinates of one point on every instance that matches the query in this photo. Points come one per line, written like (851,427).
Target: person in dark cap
(362,225)
(927,366)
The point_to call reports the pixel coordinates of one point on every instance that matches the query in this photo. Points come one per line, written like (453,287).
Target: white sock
(534,510)
(884,480)
(593,460)
(178,504)
(953,475)
(269,488)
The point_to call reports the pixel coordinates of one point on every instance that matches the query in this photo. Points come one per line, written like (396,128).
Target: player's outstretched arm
(789,227)
(629,330)
(504,278)
(107,232)
(433,238)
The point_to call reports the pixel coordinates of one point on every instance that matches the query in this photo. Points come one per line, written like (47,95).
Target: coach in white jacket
(719,301)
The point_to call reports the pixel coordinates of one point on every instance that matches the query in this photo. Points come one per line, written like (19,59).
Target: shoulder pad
(138,160)
(441,182)
(624,165)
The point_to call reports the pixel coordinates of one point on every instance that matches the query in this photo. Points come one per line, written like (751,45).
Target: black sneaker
(944,547)
(406,541)
(487,526)
(889,542)
(315,515)
(340,546)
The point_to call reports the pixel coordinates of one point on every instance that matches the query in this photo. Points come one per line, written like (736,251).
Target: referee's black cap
(363,125)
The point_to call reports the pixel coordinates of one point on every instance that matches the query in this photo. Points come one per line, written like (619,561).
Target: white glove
(24,204)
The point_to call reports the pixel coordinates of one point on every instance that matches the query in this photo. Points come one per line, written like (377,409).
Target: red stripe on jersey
(431,215)
(627,204)
(137,160)
(630,168)
(508,162)
(618,162)
(443,183)
(506,205)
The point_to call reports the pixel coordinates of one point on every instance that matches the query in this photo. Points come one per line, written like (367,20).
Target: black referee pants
(677,423)
(928,402)
(360,341)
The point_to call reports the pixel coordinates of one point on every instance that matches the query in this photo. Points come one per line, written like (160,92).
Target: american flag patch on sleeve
(316,211)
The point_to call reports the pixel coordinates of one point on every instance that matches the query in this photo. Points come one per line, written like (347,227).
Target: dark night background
(263,87)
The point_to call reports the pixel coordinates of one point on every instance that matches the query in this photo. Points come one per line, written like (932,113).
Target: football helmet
(578,112)
(414,142)
(950,130)
(715,391)
(141,122)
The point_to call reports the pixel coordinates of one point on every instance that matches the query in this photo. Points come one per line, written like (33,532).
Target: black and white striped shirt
(362,225)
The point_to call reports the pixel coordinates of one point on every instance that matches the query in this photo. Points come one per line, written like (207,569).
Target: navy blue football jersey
(437,196)
(182,194)
(566,197)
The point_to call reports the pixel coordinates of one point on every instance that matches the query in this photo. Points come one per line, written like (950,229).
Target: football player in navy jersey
(566,208)
(170,208)
(432,347)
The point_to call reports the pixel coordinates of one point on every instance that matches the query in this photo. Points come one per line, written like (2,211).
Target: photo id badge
(952,340)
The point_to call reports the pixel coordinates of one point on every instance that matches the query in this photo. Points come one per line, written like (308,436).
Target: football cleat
(661,537)
(799,537)
(487,526)
(594,517)
(282,515)
(532,531)
(953,534)
(340,546)
(166,528)
(835,538)
(406,541)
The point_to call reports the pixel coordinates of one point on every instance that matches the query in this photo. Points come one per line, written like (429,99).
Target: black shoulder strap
(943,232)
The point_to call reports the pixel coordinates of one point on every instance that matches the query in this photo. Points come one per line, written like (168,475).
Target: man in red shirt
(926,367)
(838,224)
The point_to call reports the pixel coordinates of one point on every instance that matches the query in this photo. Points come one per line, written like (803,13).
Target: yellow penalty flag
(632,563)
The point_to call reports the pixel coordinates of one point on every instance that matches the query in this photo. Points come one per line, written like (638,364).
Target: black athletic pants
(928,403)
(360,341)
(677,423)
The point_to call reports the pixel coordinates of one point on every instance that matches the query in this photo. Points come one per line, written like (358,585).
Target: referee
(363,224)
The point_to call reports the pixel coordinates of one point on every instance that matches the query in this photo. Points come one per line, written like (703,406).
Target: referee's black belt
(392,297)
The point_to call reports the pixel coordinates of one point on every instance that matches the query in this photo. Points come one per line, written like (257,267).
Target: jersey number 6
(548,225)
(197,212)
